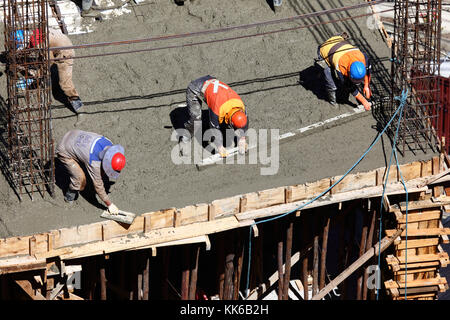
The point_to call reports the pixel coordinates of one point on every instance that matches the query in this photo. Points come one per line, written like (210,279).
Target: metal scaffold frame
(30,141)
(415,67)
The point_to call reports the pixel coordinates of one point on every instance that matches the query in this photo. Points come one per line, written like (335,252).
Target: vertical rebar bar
(30,141)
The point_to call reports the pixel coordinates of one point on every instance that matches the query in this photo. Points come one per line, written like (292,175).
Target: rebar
(416,67)
(30,141)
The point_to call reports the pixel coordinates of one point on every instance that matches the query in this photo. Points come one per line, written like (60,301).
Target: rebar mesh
(415,67)
(30,142)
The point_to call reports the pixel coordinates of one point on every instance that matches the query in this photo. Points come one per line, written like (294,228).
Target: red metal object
(444,97)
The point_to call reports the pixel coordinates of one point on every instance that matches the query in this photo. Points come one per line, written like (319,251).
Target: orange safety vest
(222,100)
(340,54)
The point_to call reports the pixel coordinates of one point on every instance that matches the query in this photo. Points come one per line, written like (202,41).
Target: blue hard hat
(357,70)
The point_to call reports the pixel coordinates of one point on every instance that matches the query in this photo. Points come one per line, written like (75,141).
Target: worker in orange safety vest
(225,109)
(351,65)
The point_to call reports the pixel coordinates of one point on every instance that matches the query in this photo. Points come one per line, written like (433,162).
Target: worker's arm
(367,91)
(218,139)
(241,134)
(95,173)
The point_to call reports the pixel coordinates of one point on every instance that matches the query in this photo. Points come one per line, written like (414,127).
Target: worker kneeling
(351,66)
(225,109)
(98,155)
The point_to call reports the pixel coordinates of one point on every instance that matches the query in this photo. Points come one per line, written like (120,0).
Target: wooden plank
(417,243)
(26,286)
(77,235)
(412,271)
(226,207)
(422,258)
(444,237)
(423,204)
(113,229)
(255,293)
(161,219)
(426,168)
(14,246)
(336,198)
(421,216)
(193,214)
(298,192)
(141,240)
(21,264)
(373,251)
(355,181)
(411,170)
(393,175)
(421,232)
(262,199)
(416,283)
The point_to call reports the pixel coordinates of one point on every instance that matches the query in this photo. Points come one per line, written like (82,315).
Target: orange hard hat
(118,161)
(35,38)
(239,119)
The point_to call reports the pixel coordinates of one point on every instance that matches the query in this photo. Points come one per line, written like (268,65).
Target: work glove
(367,92)
(113,209)
(367,105)
(223,152)
(242,145)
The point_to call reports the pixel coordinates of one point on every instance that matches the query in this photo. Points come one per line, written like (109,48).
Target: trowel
(122,216)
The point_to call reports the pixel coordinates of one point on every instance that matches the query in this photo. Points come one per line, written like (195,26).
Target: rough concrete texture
(130,98)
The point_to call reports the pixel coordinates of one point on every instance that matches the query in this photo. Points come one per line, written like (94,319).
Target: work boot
(70,196)
(76,103)
(332,97)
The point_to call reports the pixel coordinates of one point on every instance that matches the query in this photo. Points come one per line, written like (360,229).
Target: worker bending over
(98,155)
(225,109)
(351,65)
(59,39)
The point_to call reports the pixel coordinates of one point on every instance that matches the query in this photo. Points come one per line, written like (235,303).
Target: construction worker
(59,39)
(351,66)
(225,108)
(98,155)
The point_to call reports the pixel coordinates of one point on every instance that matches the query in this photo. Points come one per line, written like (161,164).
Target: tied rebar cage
(415,67)
(30,141)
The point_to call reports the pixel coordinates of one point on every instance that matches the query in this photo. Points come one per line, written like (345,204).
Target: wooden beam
(421,232)
(26,286)
(153,237)
(323,257)
(374,251)
(21,264)
(336,198)
(369,245)
(287,259)
(279,225)
(274,278)
(185,272)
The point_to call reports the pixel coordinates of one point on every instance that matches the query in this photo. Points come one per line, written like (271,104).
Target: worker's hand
(242,145)
(367,92)
(113,209)
(367,106)
(223,151)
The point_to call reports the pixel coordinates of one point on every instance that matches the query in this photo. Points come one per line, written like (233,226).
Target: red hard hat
(118,161)
(239,119)
(35,38)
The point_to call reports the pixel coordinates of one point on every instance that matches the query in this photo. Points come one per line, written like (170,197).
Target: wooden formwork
(418,253)
(174,245)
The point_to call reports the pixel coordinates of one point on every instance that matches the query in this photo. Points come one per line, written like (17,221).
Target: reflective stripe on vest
(333,49)
(221,99)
